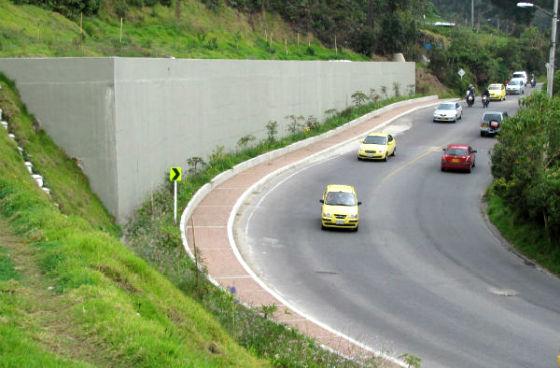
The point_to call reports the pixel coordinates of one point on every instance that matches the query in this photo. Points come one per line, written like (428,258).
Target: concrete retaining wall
(129,119)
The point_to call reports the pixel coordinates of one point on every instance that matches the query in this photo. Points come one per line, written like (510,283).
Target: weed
(271,130)
(359,98)
(295,123)
(411,360)
(244,141)
(396,89)
(194,164)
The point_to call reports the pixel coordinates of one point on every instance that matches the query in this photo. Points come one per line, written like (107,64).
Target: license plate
(370,154)
(455,160)
(340,222)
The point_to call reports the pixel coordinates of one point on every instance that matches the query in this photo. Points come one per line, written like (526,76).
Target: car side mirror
(359,203)
(474,151)
(322,201)
(444,149)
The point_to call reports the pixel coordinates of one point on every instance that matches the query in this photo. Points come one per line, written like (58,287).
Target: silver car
(448,111)
(515,87)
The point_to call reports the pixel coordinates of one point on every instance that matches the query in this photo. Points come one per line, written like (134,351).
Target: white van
(521,75)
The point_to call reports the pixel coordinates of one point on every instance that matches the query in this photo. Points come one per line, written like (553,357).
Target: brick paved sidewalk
(210,233)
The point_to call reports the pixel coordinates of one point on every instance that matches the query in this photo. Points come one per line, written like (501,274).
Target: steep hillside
(72,294)
(161,31)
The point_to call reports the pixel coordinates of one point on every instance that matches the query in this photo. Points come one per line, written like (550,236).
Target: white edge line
(205,189)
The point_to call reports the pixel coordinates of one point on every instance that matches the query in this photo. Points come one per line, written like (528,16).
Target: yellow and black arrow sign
(175,174)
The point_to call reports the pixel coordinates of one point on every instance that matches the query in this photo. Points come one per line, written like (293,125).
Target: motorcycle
(470,99)
(485,101)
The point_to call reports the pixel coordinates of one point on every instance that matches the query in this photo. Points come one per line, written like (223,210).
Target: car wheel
(469,169)
(355,229)
(473,163)
(385,158)
(482,134)
(461,116)
(323,227)
(442,169)
(394,152)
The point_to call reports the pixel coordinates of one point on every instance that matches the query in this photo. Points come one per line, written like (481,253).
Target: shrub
(526,162)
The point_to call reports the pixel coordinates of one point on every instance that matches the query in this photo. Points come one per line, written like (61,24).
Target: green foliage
(353,21)
(496,56)
(411,360)
(526,163)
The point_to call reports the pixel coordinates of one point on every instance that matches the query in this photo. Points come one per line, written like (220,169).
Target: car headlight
(326,214)
(353,216)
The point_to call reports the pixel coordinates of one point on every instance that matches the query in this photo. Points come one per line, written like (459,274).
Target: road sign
(461,73)
(175,174)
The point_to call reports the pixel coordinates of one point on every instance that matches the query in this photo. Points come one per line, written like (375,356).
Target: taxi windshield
(340,199)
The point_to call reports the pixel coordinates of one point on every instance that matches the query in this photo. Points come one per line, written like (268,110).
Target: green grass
(155,31)
(526,237)
(87,284)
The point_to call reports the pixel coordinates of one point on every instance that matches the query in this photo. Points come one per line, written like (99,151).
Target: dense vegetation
(526,164)
(488,56)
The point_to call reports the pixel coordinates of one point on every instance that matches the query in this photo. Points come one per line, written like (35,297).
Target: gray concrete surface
(424,275)
(127,120)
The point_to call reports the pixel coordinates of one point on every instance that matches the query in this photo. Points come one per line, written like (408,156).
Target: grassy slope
(198,33)
(78,296)
(527,238)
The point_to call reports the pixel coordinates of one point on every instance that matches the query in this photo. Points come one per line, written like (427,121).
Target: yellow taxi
(340,207)
(377,146)
(497,92)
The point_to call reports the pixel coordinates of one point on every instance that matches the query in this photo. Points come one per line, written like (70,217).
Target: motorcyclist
(533,80)
(470,90)
(470,95)
(486,94)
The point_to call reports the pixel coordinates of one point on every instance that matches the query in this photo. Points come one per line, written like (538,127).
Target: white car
(515,86)
(521,75)
(448,111)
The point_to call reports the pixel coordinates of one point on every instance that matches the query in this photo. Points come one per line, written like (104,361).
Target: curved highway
(424,275)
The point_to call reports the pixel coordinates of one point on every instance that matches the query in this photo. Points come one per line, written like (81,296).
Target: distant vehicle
(492,122)
(458,157)
(497,92)
(377,146)
(515,86)
(340,207)
(448,111)
(522,75)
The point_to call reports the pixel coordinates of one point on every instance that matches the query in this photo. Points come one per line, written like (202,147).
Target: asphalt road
(424,275)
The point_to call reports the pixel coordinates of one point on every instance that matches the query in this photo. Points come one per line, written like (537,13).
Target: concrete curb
(199,196)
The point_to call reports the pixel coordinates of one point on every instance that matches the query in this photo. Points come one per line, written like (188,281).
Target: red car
(458,157)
